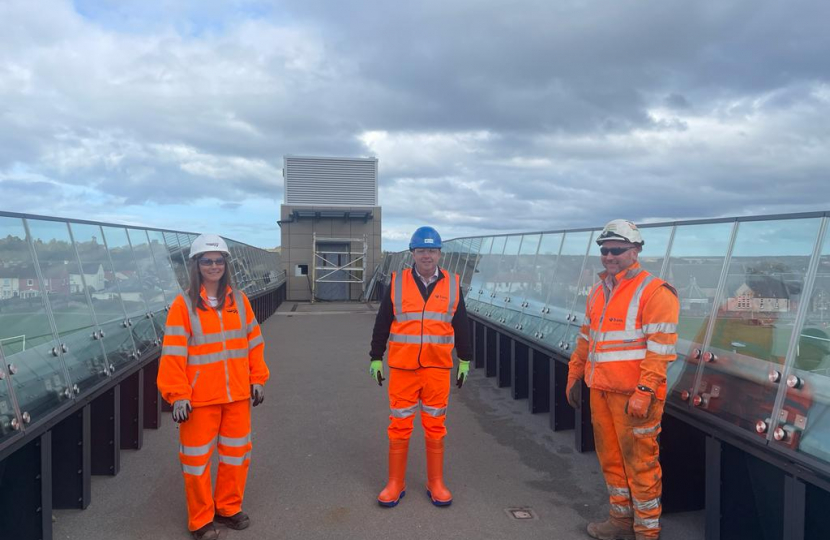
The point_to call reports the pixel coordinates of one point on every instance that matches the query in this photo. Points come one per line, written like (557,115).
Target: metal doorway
(338,263)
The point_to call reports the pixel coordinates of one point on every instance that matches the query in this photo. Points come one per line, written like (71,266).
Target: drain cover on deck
(523,512)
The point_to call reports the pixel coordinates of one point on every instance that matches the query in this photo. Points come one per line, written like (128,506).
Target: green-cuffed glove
(376,371)
(463,372)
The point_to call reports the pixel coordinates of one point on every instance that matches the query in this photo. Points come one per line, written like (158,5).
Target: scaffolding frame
(356,274)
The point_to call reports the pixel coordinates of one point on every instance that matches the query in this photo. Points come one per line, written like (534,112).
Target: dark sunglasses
(615,251)
(206,261)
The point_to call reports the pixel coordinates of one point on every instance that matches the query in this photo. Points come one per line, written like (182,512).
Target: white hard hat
(205,243)
(621,230)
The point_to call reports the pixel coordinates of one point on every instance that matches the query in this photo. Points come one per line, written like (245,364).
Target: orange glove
(639,402)
(574,392)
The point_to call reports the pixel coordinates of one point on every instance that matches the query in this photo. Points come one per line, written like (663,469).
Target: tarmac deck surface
(320,458)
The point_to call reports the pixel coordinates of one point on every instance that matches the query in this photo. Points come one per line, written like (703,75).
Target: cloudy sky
(485,116)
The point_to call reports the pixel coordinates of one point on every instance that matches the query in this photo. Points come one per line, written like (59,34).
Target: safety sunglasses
(615,251)
(206,261)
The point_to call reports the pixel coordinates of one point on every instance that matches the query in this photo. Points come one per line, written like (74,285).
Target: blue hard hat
(425,237)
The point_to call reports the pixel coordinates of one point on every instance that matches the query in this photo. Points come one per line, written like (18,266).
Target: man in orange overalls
(212,368)
(623,349)
(422,317)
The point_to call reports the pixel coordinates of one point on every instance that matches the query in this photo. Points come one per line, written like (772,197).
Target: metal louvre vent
(331,181)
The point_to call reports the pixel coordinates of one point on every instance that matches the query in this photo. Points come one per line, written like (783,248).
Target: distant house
(94,277)
(759,294)
(9,283)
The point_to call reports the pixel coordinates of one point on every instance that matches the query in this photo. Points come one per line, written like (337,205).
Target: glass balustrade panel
(804,420)
(468,263)
(695,265)
(133,295)
(67,294)
(503,279)
(543,273)
(103,289)
(755,317)
(564,288)
(11,423)
(522,279)
(475,298)
(653,255)
(178,256)
(164,268)
(30,348)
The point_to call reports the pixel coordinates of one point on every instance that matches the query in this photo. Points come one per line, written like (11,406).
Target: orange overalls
(421,339)
(627,339)
(212,358)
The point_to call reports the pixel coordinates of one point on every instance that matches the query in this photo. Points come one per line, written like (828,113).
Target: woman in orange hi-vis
(212,366)
(622,353)
(423,318)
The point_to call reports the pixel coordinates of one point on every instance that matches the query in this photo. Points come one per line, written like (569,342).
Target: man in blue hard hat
(423,318)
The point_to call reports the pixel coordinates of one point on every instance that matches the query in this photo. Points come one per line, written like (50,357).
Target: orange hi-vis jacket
(628,337)
(211,357)
(421,334)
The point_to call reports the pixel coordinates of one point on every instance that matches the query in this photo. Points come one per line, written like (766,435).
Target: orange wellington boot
(436,489)
(396,487)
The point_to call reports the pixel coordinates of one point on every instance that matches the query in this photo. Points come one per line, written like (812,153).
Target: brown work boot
(207,532)
(612,529)
(238,521)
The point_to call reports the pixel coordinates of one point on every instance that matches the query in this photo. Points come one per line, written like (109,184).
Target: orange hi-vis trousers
(629,456)
(426,390)
(228,427)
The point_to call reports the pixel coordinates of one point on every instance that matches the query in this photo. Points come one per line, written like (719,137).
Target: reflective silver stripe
(434,411)
(234,460)
(659,348)
(243,313)
(397,277)
(235,441)
(195,470)
(406,412)
(663,327)
(252,326)
(583,336)
(619,356)
(405,338)
(210,358)
(634,306)
(620,335)
(197,450)
(174,350)
(593,296)
(622,510)
(634,272)
(646,431)
(431,315)
(653,504)
(441,340)
(205,339)
(172,330)
(195,323)
(256,341)
(236,334)
(618,491)
(653,523)
(453,287)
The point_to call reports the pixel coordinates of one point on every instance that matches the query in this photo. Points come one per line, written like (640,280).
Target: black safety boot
(208,532)
(238,521)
